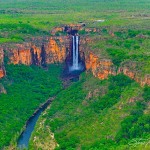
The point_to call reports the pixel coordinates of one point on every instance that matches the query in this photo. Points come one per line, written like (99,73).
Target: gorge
(76,56)
(75,69)
(75,74)
(60,49)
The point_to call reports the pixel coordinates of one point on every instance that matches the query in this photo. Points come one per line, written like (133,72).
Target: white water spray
(75,47)
(76,65)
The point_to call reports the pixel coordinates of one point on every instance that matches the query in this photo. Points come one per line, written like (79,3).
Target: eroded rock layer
(135,76)
(52,51)
(100,68)
(2,69)
(58,49)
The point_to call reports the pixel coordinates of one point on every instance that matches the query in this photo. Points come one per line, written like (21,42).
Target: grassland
(38,17)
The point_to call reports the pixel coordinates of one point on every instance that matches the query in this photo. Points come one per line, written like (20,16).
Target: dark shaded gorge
(74,67)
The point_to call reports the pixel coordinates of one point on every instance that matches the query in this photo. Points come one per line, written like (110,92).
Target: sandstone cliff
(51,51)
(100,68)
(2,69)
(135,76)
(2,72)
(58,49)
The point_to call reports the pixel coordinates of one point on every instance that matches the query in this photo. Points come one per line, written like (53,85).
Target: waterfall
(77,55)
(75,49)
(76,65)
(74,52)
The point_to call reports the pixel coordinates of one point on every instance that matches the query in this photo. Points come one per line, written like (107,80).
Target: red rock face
(67,28)
(22,56)
(35,55)
(1,56)
(135,76)
(55,52)
(2,69)
(57,29)
(100,68)
(56,49)
(2,72)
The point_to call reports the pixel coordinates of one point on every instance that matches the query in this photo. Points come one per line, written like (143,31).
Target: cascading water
(76,65)
(77,53)
(75,48)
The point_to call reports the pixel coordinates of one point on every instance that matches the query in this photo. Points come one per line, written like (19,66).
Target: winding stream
(23,141)
(24,138)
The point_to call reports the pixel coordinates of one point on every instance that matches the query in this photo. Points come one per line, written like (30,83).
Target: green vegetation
(92,114)
(27,88)
(125,48)
(130,45)
(16,32)
(137,124)
(39,17)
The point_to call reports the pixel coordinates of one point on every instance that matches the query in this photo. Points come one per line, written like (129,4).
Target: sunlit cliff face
(71,50)
(54,51)
(99,68)
(2,70)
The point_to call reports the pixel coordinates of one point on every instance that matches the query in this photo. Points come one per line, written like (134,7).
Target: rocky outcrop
(56,49)
(2,72)
(100,68)
(57,29)
(25,54)
(36,55)
(134,75)
(22,56)
(2,69)
(52,51)
(2,89)
(68,28)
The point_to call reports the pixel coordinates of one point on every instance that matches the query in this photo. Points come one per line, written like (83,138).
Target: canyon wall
(54,50)
(2,69)
(134,75)
(57,49)
(102,68)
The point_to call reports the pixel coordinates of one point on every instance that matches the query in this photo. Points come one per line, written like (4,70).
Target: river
(24,138)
